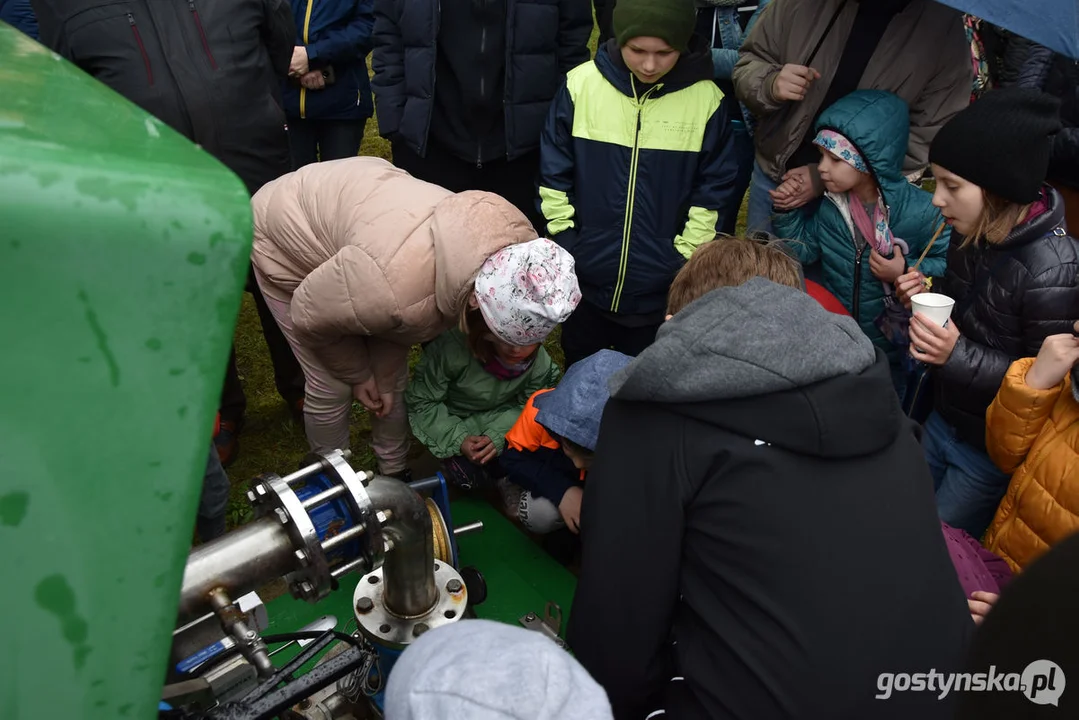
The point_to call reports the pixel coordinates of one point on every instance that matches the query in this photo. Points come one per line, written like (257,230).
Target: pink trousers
(328,403)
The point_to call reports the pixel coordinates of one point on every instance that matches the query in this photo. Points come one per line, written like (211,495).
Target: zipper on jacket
(202,33)
(631,192)
(306,32)
(483,93)
(856,300)
(142,48)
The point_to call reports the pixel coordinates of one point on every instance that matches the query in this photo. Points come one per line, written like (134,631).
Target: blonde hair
(476,332)
(996,221)
(728,261)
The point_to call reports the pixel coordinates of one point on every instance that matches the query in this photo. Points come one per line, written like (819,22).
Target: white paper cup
(935,306)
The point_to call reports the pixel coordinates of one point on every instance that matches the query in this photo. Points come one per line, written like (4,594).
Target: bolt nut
(454,586)
(282,515)
(306,588)
(381,516)
(419,629)
(251,496)
(260,489)
(301,557)
(530,617)
(365,605)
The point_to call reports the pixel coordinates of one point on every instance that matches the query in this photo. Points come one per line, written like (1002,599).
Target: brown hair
(476,331)
(998,218)
(728,261)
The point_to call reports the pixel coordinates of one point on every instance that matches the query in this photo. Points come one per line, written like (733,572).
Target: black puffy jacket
(545,39)
(1008,298)
(210,69)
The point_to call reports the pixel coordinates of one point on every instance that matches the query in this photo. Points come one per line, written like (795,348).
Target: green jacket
(451,396)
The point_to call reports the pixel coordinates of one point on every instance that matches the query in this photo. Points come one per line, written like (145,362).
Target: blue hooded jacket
(877,123)
(337,34)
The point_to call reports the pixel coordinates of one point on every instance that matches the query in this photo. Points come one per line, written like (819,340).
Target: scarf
(502,371)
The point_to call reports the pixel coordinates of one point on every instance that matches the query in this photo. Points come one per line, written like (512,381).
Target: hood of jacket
(878,124)
(692,67)
(767,361)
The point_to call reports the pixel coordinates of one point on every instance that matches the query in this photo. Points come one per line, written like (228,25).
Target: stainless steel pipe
(238,562)
(408,569)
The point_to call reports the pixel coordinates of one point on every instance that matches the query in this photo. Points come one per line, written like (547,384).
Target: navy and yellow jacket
(633,177)
(337,34)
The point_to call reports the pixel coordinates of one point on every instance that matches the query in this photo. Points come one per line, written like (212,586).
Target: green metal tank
(123,249)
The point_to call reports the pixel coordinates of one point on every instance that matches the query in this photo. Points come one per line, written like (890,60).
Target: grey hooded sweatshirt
(760,524)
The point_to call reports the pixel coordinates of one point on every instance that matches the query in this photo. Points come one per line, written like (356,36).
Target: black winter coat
(1023,63)
(1008,299)
(210,69)
(545,39)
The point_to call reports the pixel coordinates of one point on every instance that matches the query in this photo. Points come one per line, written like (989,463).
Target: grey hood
(767,362)
(753,339)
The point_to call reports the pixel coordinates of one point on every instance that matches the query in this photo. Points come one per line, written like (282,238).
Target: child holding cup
(1013,277)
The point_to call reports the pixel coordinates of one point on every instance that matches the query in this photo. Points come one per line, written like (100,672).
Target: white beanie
(525,290)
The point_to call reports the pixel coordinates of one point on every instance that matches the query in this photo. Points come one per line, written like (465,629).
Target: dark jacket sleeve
(714,190)
(1045,305)
(545,472)
(633,517)
(279,34)
(558,167)
(574,30)
(17,13)
(388,63)
(348,41)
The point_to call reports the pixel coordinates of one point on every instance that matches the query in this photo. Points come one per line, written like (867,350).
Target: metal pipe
(341,538)
(238,562)
(313,467)
(468,529)
(426,484)
(234,623)
(408,570)
(345,569)
(335,491)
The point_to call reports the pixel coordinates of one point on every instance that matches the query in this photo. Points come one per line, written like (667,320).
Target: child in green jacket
(473,381)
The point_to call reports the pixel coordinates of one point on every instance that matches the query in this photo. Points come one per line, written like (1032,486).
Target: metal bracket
(550,624)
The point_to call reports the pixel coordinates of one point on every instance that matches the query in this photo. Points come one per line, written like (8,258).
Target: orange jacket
(527,435)
(1035,434)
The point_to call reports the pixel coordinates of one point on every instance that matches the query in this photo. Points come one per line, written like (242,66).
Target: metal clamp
(550,624)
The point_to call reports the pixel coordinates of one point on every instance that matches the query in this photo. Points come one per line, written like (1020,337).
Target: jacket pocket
(106,41)
(202,33)
(142,48)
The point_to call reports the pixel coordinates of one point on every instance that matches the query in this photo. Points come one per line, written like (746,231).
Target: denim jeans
(759,212)
(968,485)
(214,500)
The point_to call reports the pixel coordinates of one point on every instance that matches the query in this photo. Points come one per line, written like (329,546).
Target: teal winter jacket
(877,124)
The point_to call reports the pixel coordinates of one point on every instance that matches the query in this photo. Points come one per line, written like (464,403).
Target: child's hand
(931,343)
(979,604)
(367,394)
(570,507)
(909,285)
(479,449)
(1055,360)
(884,269)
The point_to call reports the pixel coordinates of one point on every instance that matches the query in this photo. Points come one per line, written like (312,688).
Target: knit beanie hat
(525,290)
(1001,142)
(672,21)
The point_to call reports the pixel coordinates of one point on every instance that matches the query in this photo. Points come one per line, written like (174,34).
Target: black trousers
(515,180)
(589,330)
(314,140)
(288,375)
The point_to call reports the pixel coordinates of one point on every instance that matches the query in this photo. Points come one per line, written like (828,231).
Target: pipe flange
(312,581)
(360,503)
(383,628)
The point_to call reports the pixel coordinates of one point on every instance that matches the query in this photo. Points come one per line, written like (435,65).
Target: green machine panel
(123,250)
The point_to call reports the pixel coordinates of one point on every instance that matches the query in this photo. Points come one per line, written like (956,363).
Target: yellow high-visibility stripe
(306,30)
